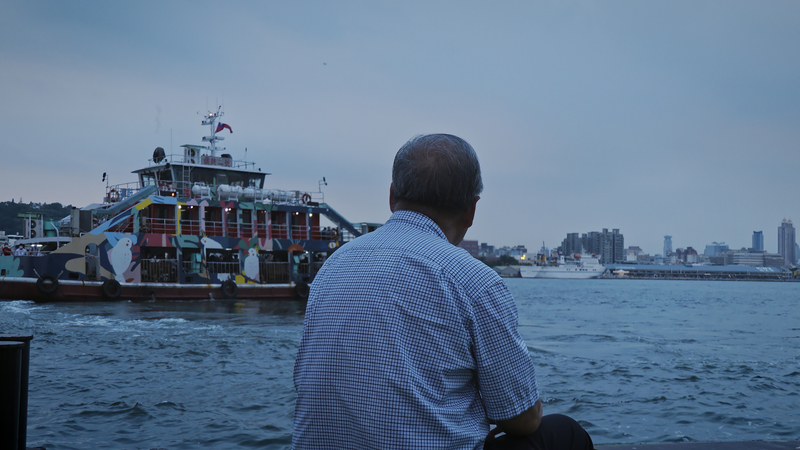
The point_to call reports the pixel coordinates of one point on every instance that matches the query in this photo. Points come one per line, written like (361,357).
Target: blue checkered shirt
(408,343)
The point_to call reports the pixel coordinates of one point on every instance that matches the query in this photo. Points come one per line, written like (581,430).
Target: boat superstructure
(578,266)
(197,224)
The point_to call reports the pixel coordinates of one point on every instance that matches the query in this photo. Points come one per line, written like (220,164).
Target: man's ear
(392,202)
(469,214)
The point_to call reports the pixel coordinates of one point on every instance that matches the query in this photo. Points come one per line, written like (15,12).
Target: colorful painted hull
(105,265)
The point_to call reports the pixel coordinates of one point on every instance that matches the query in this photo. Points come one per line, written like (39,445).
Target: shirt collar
(417,220)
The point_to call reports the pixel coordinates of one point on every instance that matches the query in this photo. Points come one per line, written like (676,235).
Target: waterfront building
(572,244)
(667,246)
(688,256)
(608,245)
(471,247)
(612,246)
(632,253)
(486,250)
(591,242)
(750,257)
(518,251)
(758,240)
(684,272)
(786,242)
(715,249)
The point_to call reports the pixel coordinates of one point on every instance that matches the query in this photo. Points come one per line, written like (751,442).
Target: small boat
(578,266)
(195,225)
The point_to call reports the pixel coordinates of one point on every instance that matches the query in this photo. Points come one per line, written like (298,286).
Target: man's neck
(452,225)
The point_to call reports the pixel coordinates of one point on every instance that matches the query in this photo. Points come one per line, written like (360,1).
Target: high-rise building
(612,246)
(667,245)
(786,242)
(591,242)
(572,244)
(715,249)
(758,240)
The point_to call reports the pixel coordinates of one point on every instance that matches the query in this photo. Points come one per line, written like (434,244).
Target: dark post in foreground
(14,365)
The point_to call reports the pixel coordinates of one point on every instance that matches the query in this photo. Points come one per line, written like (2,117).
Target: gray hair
(437,170)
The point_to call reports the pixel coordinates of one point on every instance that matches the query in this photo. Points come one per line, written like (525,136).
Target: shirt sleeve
(506,375)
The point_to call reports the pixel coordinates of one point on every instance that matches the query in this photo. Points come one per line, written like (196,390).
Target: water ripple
(632,361)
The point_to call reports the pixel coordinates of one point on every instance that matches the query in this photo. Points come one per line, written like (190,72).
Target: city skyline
(654,118)
(569,236)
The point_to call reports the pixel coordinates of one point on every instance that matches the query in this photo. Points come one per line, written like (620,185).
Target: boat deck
(739,445)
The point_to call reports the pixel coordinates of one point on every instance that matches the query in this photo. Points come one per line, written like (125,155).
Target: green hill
(11,224)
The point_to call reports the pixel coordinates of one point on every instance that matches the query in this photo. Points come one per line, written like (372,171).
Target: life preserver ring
(306,198)
(111,289)
(302,289)
(229,289)
(47,284)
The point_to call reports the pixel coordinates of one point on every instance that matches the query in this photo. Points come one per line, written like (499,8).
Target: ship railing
(304,269)
(191,267)
(274,272)
(262,229)
(190,227)
(125,226)
(299,232)
(280,232)
(324,234)
(214,228)
(224,267)
(246,229)
(157,225)
(347,236)
(119,192)
(159,270)
(282,197)
(204,158)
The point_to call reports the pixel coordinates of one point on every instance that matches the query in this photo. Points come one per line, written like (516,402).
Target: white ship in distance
(576,267)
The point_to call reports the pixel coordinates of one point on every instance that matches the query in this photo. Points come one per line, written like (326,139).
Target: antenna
(321,182)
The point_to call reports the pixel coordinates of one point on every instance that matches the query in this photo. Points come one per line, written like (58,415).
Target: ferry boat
(579,266)
(196,225)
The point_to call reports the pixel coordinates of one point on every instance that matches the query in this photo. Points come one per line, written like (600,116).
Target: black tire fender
(47,284)
(301,290)
(111,289)
(229,289)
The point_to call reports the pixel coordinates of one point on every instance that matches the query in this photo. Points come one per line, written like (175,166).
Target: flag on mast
(221,126)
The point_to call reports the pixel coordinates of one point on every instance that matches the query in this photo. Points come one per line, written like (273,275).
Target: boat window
(148,179)
(213,214)
(215,177)
(230,217)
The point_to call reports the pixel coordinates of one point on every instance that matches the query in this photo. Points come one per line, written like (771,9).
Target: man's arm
(525,423)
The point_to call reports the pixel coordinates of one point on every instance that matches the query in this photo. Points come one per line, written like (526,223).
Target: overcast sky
(671,117)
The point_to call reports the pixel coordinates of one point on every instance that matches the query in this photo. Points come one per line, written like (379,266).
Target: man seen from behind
(411,343)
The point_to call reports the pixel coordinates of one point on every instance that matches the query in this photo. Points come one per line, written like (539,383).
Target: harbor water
(633,361)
